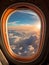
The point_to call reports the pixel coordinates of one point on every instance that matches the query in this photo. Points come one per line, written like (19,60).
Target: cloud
(30,47)
(10,35)
(26,28)
(13,23)
(20,48)
(17,39)
(28,12)
(25,51)
(26,42)
(13,47)
(19,53)
(33,52)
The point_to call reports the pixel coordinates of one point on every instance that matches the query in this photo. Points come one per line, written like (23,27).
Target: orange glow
(28,28)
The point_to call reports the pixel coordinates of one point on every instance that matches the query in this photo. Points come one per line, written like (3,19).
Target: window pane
(24,31)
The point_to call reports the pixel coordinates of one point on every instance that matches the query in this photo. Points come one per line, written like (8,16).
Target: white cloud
(20,48)
(30,47)
(33,52)
(13,47)
(28,12)
(19,53)
(13,23)
(10,35)
(17,39)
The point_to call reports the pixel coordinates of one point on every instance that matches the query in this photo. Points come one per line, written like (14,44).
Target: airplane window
(23,31)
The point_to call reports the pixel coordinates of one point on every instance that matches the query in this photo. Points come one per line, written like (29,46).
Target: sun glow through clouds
(38,26)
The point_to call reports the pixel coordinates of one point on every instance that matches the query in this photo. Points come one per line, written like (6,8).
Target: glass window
(24,31)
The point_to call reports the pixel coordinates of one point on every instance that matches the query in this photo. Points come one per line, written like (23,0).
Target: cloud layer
(24,41)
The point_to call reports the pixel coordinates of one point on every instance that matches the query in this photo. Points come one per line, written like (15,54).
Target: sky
(23,17)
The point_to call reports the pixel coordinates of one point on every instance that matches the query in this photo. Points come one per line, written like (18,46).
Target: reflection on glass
(24,30)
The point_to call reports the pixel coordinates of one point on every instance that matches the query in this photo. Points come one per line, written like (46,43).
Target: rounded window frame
(4,35)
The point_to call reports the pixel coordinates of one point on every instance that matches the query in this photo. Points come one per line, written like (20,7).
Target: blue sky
(23,17)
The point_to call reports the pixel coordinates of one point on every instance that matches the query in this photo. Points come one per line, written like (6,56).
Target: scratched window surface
(24,31)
